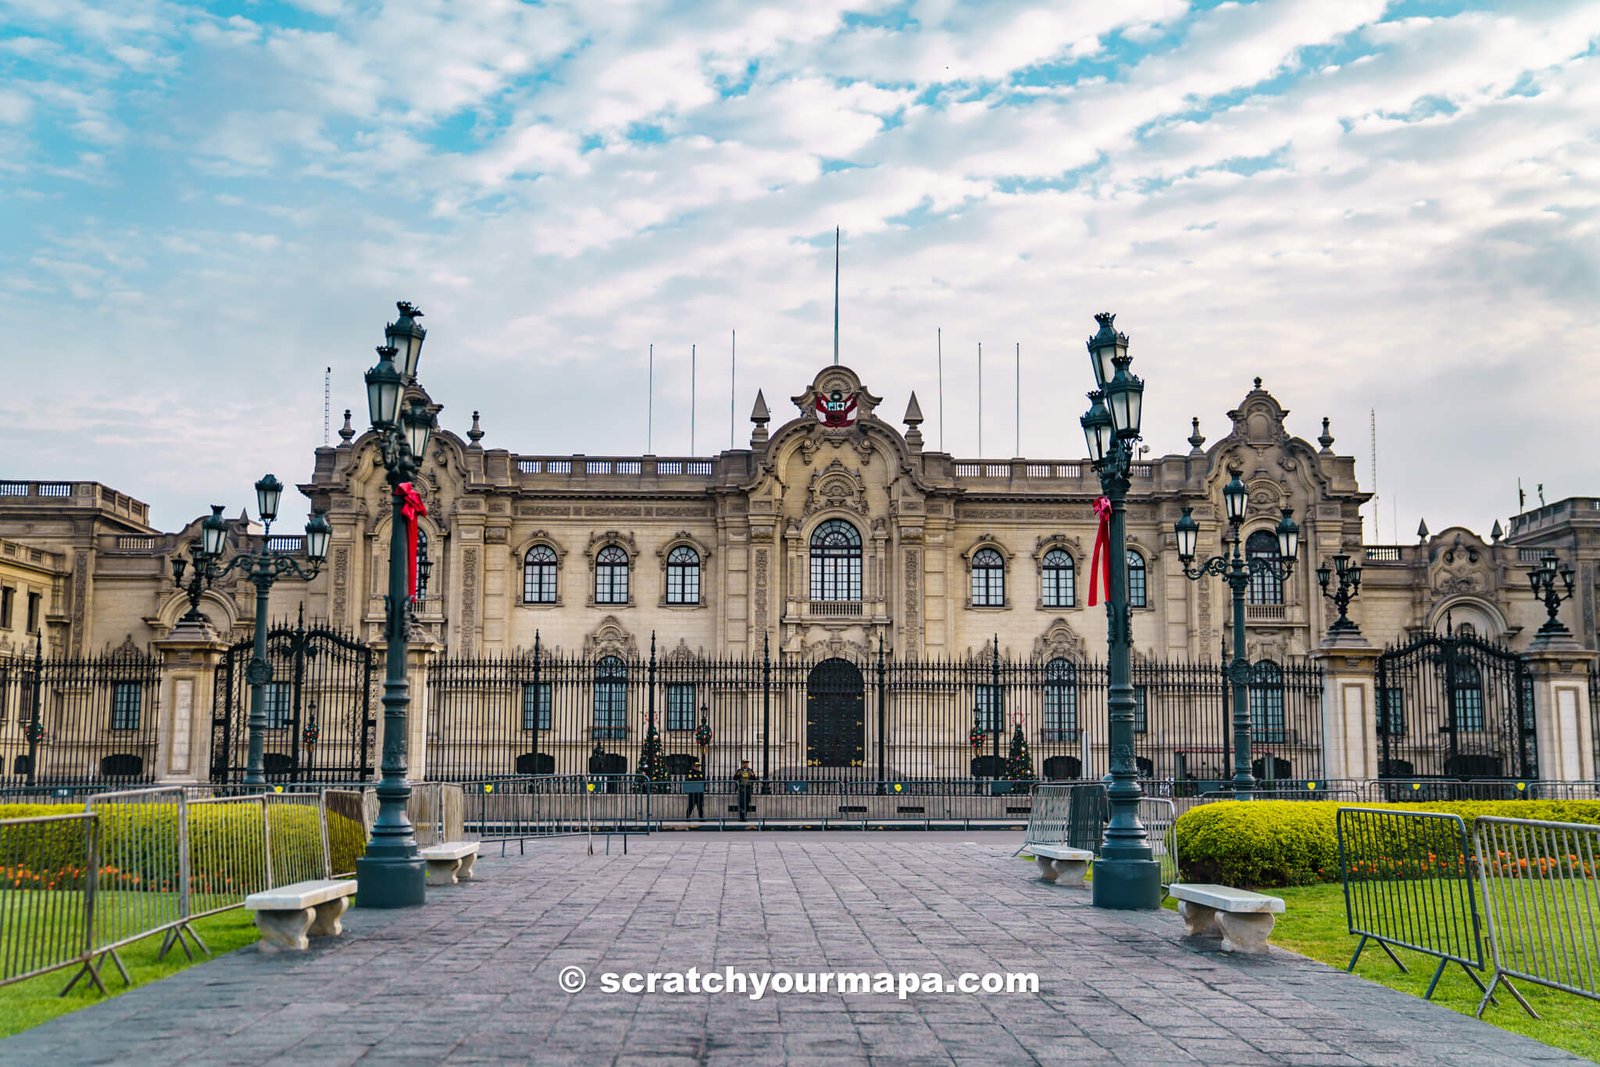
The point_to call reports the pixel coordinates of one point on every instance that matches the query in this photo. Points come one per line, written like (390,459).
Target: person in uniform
(695,788)
(744,779)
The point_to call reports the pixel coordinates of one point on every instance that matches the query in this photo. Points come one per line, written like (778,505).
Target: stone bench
(1243,919)
(450,861)
(1058,860)
(285,916)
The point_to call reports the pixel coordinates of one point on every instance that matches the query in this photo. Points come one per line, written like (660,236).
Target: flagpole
(1019,399)
(650,403)
(733,384)
(836,296)
(691,399)
(980,399)
(939,340)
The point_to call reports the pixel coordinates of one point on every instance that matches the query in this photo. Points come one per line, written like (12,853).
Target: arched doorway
(836,733)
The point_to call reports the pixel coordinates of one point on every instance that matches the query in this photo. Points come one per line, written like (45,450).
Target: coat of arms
(835,410)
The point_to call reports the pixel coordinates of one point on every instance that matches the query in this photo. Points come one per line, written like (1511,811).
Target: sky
(1386,210)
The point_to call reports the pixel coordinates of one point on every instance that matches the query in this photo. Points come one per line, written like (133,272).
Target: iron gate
(1453,705)
(835,715)
(319,707)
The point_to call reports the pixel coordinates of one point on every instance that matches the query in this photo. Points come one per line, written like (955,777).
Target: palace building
(835,535)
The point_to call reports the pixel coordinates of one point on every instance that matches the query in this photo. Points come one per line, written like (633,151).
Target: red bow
(1100,565)
(411,508)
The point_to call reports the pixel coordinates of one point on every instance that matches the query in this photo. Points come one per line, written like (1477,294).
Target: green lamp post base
(1127,885)
(398,882)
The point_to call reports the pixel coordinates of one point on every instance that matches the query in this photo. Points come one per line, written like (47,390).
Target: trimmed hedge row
(1264,843)
(137,846)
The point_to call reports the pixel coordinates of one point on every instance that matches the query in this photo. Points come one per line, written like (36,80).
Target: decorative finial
(1496,533)
(1106,319)
(1258,385)
(1422,530)
(760,415)
(407,309)
(913,422)
(476,433)
(1196,438)
(347,432)
(1326,440)
(913,411)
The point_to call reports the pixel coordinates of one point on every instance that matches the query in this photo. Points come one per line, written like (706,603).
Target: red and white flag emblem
(835,410)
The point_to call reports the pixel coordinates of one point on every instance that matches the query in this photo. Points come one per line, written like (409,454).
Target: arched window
(1265,588)
(1266,703)
(1060,701)
(539,575)
(1058,582)
(988,579)
(1468,697)
(836,561)
(611,576)
(610,699)
(683,576)
(1136,583)
(422,553)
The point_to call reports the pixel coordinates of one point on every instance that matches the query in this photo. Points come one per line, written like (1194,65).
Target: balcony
(834,609)
(1265,612)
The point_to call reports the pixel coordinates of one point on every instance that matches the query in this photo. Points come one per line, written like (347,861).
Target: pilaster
(189,658)
(1562,721)
(1349,705)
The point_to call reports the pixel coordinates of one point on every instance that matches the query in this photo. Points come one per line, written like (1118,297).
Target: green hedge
(137,845)
(1262,843)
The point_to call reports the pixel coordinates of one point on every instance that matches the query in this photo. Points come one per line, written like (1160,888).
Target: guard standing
(744,780)
(694,787)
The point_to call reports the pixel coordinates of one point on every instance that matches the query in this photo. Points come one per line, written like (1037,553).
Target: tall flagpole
(1019,400)
(939,340)
(980,399)
(836,296)
(650,403)
(733,383)
(691,400)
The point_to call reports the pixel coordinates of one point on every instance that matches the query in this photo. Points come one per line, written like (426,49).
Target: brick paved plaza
(473,976)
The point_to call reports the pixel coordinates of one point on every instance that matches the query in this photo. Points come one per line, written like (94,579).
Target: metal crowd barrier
(1407,879)
(1541,897)
(78,887)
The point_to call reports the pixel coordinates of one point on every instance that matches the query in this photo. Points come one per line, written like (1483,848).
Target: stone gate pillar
(189,658)
(1349,705)
(1561,715)
(420,654)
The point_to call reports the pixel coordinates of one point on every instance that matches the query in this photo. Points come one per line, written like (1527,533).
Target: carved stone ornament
(1059,641)
(622,540)
(835,646)
(682,655)
(684,537)
(836,487)
(610,638)
(1258,422)
(1071,545)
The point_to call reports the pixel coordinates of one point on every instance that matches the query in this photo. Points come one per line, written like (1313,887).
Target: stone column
(419,654)
(1349,705)
(1562,722)
(189,658)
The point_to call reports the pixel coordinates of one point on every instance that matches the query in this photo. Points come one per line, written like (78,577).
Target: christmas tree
(1019,762)
(652,761)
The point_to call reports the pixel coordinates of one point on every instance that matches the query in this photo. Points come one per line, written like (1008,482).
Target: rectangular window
(680,706)
(1266,714)
(1060,711)
(1392,705)
(1469,707)
(125,697)
(1136,583)
(7,596)
(988,707)
(35,601)
(610,711)
(1058,589)
(278,700)
(611,584)
(536,704)
(1141,709)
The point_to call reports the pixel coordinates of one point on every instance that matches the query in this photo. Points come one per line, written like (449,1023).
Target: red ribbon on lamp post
(412,508)
(1100,565)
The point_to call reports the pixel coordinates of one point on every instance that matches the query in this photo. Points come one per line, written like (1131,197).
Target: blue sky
(1375,206)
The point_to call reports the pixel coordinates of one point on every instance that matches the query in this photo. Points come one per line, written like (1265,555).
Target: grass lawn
(1314,925)
(36,1000)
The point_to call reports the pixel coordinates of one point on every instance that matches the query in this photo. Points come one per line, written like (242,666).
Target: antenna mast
(327,395)
(1377,532)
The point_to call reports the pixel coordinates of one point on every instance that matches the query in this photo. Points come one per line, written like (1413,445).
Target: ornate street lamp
(1236,570)
(1542,579)
(1127,875)
(262,567)
(390,875)
(1349,587)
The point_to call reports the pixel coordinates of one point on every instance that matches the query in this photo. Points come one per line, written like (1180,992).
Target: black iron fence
(842,720)
(67,722)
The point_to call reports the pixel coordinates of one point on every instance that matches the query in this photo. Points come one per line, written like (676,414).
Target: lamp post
(1349,587)
(1543,579)
(1236,570)
(390,875)
(263,568)
(1127,875)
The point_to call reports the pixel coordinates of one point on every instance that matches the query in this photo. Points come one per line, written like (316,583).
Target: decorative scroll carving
(469,598)
(836,486)
(80,593)
(341,583)
(1059,641)
(610,638)
(761,588)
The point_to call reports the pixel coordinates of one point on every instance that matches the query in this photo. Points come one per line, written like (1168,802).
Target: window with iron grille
(1060,701)
(1392,707)
(1058,579)
(1266,703)
(539,575)
(987,708)
(277,700)
(1468,702)
(125,699)
(422,554)
(536,705)
(836,561)
(1136,582)
(7,595)
(1141,709)
(988,579)
(35,602)
(680,706)
(611,576)
(683,576)
(610,699)
(1265,588)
